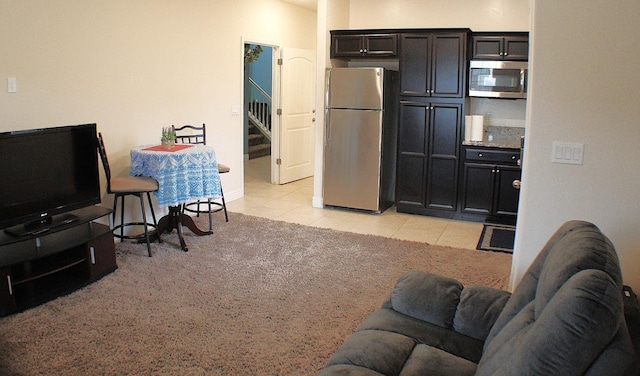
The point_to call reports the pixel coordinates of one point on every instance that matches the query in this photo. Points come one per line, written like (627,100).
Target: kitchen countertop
(495,143)
(501,137)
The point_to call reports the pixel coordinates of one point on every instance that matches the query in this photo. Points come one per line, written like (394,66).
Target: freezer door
(356,88)
(352,159)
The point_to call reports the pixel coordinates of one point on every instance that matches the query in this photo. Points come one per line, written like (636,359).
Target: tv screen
(46,172)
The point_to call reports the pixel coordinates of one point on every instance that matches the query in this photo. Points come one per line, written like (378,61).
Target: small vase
(168,144)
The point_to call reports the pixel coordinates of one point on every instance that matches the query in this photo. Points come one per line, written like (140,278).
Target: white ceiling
(308,4)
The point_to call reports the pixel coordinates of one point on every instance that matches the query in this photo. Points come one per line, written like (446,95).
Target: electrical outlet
(567,153)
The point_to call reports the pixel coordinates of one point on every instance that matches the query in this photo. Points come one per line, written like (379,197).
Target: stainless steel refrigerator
(360,138)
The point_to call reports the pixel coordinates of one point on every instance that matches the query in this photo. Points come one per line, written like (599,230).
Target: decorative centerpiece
(168,137)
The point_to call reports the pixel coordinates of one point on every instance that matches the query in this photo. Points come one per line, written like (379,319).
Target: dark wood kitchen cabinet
(492,46)
(488,192)
(433,64)
(347,44)
(428,157)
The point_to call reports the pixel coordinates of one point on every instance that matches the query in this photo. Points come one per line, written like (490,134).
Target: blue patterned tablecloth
(184,175)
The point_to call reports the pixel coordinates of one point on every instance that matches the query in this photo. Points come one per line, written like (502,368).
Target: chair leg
(153,215)
(113,213)
(224,206)
(122,218)
(209,209)
(144,223)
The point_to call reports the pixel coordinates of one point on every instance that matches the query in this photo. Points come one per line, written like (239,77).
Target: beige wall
(479,15)
(583,89)
(136,66)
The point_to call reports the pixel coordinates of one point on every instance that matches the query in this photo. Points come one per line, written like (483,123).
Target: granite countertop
(501,137)
(495,143)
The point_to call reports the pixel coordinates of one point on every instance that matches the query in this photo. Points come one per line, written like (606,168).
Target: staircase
(259,114)
(259,145)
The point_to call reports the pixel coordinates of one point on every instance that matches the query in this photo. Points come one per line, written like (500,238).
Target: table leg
(175,220)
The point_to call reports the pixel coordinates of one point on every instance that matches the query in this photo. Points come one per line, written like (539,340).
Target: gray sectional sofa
(566,317)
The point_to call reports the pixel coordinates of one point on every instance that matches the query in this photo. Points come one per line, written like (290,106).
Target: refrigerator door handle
(327,127)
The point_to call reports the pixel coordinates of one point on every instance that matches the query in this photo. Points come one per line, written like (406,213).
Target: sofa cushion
(526,290)
(387,319)
(375,352)
(478,310)
(566,337)
(380,351)
(347,370)
(584,248)
(427,297)
(427,360)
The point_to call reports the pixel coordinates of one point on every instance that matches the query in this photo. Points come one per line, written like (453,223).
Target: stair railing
(260,105)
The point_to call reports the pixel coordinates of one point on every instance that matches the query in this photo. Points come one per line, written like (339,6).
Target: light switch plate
(567,153)
(12,85)
(235,110)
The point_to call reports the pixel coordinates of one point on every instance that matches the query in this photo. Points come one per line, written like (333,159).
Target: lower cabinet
(38,269)
(488,190)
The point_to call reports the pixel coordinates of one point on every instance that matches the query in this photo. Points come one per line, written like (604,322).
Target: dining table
(185,173)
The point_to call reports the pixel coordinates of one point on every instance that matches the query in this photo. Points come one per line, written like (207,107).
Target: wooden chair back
(105,162)
(189,134)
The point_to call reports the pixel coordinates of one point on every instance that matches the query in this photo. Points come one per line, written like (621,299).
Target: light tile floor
(292,203)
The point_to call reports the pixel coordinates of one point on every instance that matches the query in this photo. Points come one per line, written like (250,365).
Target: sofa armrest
(478,310)
(443,301)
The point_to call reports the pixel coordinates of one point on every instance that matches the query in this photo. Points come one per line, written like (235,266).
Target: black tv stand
(42,265)
(40,227)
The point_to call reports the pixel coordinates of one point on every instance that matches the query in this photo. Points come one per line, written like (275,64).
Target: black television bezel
(45,218)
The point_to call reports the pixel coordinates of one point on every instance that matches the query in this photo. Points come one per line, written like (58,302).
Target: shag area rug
(258,297)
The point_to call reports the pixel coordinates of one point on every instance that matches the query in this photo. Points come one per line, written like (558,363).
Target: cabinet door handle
(9,283)
(92,250)
(365,50)
(362,50)
(480,155)
(516,184)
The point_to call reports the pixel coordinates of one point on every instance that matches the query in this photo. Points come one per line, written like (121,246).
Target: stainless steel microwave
(498,79)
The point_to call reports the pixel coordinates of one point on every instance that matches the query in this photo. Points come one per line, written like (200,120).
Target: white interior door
(297,122)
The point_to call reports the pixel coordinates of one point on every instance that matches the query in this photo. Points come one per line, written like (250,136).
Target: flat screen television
(44,174)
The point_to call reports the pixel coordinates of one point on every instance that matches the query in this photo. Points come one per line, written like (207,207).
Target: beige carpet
(258,297)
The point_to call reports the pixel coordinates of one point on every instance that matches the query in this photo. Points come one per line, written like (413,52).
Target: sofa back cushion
(564,313)
(563,339)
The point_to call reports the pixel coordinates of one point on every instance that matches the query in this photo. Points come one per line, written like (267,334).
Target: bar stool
(121,187)
(189,134)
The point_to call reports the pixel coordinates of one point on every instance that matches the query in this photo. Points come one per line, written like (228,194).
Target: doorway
(284,112)
(258,102)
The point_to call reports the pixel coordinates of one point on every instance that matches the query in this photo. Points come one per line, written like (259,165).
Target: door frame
(275,98)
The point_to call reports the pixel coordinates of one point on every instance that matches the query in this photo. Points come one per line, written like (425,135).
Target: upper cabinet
(433,64)
(347,44)
(502,46)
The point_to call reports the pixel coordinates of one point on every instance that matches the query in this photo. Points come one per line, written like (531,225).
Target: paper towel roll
(467,127)
(477,127)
